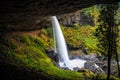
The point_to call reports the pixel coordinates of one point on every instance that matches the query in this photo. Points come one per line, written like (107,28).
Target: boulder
(90,65)
(53,55)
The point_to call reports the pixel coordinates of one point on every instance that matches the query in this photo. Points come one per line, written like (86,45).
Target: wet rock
(82,70)
(65,68)
(53,55)
(114,67)
(74,57)
(76,68)
(90,57)
(90,65)
(97,60)
(114,70)
(86,72)
(85,50)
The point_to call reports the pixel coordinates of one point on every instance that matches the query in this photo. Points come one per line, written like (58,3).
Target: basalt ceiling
(32,14)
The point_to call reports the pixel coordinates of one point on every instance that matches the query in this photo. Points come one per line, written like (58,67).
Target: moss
(76,37)
(46,37)
(30,53)
(104,77)
(79,36)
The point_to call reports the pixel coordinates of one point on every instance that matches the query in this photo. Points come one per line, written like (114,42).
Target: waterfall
(55,45)
(60,41)
(61,48)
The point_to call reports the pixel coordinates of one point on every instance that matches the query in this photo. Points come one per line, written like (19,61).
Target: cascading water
(62,49)
(60,41)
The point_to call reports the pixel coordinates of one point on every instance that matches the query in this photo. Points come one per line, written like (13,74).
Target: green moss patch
(26,51)
(29,52)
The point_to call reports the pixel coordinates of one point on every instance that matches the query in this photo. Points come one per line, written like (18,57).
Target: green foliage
(29,52)
(92,12)
(107,34)
(46,37)
(117,17)
(104,76)
(107,30)
(7,47)
(81,36)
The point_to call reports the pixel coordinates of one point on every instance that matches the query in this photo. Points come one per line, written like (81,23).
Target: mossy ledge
(22,57)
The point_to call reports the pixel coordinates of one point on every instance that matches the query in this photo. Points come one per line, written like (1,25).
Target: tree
(107,33)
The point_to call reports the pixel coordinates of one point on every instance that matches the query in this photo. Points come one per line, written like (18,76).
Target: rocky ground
(94,63)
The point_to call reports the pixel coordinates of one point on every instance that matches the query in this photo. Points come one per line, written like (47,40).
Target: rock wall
(76,18)
(27,14)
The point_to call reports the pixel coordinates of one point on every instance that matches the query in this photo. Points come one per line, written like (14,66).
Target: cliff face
(76,18)
(31,14)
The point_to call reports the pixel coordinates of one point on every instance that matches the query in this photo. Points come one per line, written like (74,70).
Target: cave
(22,52)
(31,15)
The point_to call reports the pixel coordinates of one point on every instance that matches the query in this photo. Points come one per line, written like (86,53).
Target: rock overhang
(32,14)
